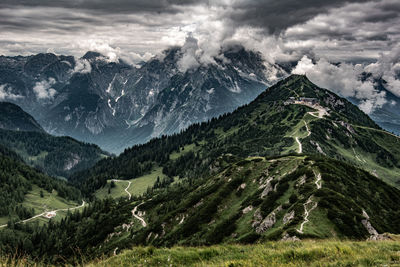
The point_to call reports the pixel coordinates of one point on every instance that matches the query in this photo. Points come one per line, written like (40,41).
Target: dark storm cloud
(355,29)
(271,15)
(279,15)
(105,6)
(354,22)
(60,21)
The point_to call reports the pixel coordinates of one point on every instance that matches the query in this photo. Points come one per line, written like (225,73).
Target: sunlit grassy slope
(138,185)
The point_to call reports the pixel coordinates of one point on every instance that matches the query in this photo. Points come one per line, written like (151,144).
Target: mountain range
(116,105)
(388,115)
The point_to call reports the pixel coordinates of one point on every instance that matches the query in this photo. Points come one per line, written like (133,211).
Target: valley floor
(303,253)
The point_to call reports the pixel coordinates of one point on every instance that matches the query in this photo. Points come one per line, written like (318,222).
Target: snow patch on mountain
(211,90)
(122,94)
(109,87)
(112,109)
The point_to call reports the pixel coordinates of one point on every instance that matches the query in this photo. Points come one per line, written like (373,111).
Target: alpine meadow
(200,133)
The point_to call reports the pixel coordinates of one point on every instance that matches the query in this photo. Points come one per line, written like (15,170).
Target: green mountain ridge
(57,156)
(14,118)
(278,122)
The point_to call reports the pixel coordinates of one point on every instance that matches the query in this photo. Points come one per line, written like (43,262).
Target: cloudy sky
(340,30)
(351,32)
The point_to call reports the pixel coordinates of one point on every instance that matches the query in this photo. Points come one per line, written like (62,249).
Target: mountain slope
(268,199)
(14,118)
(57,156)
(246,201)
(207,91)
(21,184)
(292,116)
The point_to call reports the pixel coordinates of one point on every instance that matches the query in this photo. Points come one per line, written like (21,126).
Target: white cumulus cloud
(343,79)
(7,94)
(43,89)
(190,54)
(387,67)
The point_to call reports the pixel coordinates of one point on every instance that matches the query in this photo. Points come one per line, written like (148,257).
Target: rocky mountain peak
(91,55)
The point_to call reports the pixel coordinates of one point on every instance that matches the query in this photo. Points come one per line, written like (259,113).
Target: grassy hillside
(249,201)
(39,201)
(277,254)
(135,187)
(270,125)
(271,199)
(305,253)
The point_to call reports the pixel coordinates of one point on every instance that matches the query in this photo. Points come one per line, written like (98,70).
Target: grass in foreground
(305,253)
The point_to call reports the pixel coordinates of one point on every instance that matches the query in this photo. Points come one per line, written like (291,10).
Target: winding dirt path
(318,182)
(298,139)
(312,114)
(134,213)
(126,189)
(308,129)
(320,113)
(307,213)
(47,214)
(300,145)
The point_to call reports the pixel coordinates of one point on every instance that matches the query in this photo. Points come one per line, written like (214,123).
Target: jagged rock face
(71,162)
(267,222)
(288,217)
(116,105)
